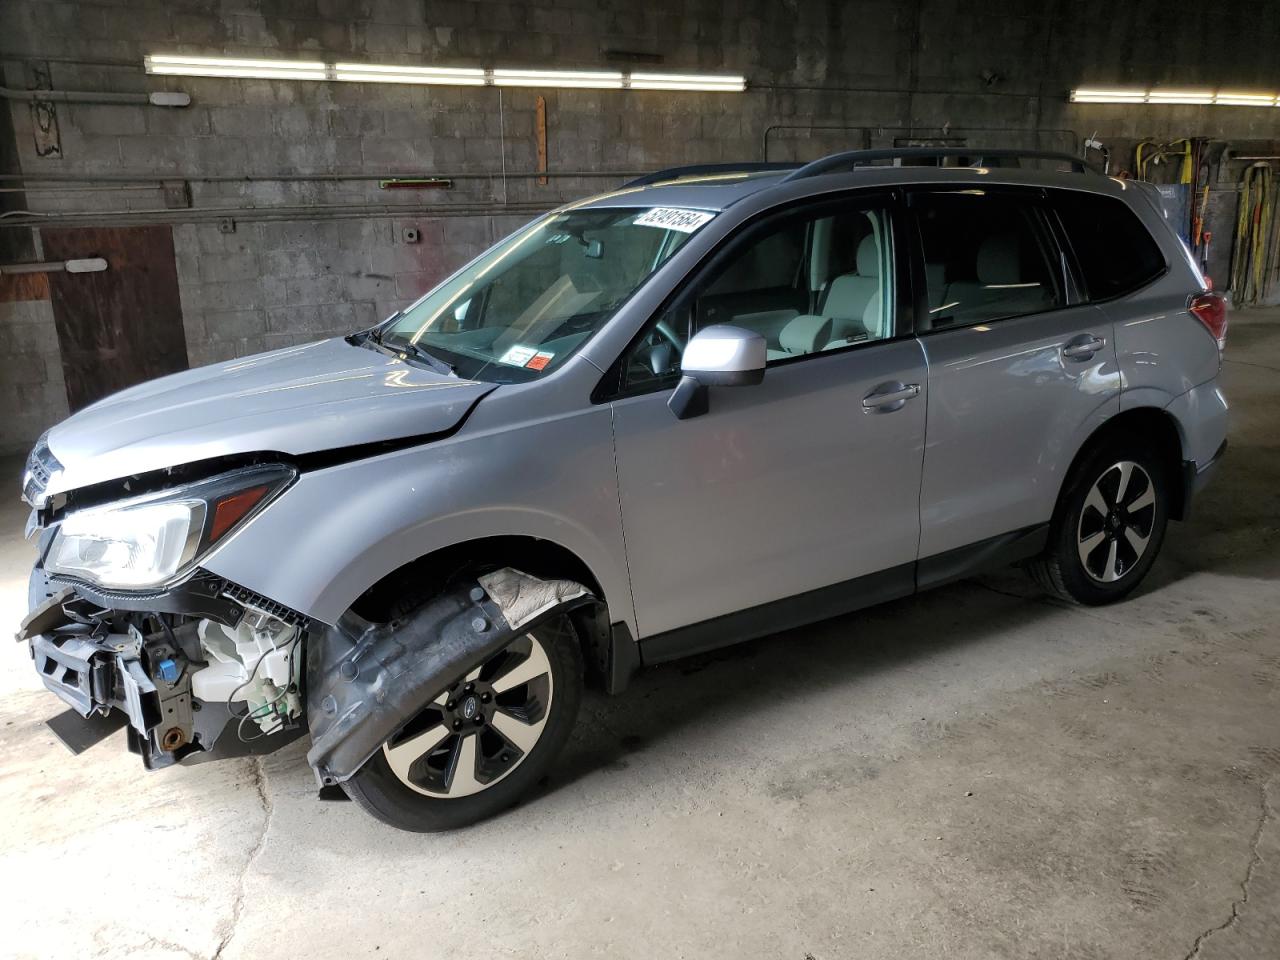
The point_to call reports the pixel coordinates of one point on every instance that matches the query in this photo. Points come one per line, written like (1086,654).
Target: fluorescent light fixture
(598,79)
(686,81)
(1108,96)
(228,67)
(1231,98)
(232,67)
(1180,96)
(381,73)
(1225,98)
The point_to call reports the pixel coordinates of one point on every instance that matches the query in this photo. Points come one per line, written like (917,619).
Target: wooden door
(122,326)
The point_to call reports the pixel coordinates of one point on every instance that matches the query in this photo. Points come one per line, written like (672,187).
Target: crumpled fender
(364,681)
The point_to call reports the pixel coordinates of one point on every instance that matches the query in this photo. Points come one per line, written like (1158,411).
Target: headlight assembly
(151,540)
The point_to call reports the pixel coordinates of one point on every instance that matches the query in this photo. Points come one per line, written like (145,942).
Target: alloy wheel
(480,729)
(1116,521)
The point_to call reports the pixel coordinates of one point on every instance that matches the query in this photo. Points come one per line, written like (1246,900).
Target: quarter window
(986,257)
(1115,252)
(809,284)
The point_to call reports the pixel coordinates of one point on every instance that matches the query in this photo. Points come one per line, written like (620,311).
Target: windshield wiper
(420,353)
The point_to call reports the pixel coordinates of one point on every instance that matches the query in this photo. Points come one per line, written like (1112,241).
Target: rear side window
(987,256)
(1115,252)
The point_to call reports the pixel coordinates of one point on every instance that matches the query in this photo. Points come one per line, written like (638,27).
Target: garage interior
(976,772)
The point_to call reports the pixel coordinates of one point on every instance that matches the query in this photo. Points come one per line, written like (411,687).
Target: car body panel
(1162,348)
(1007,414)
(525,464)
(780,488)
(1201,416)
(319,396)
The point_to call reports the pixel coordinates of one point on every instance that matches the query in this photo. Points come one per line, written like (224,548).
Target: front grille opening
(50,665)
(71,677)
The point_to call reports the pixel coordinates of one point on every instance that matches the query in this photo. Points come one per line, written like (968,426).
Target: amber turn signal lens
(232,509)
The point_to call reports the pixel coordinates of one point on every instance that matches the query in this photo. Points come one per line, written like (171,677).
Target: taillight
(1211,310)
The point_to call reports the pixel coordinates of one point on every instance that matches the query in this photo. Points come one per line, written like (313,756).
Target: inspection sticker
(672,218)
(517,356)
(539,360)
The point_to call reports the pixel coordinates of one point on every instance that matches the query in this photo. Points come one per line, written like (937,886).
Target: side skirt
(844,597)
(778,615)
(981,557)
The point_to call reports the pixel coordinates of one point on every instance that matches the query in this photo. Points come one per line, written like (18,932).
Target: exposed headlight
(150,540)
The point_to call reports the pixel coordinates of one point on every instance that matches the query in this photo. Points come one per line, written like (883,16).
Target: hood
(319,396)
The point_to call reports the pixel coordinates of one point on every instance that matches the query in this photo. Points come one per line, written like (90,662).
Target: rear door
(807,480)
(1020,372)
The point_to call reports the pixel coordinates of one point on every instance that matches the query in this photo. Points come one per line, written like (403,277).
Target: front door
(807,480)
(1019,374)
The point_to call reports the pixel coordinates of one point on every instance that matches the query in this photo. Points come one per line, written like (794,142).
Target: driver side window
(808,284)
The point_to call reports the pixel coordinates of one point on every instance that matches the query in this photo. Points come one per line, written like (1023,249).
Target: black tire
(380,791)
(1106,576)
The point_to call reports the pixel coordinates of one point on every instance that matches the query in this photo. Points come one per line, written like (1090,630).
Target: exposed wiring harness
(248,713)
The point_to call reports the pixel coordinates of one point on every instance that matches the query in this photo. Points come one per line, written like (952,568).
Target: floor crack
(1254,859)
(237,906)
(1248,363)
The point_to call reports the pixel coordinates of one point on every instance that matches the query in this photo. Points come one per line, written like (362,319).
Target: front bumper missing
(89,653)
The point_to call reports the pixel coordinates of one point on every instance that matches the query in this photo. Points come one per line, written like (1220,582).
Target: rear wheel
(1109,525)
(479,746)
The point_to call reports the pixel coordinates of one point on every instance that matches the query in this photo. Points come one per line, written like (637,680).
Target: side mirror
(719,356)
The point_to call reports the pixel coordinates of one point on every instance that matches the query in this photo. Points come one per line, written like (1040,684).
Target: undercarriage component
(254,662)
(179,678)
(364,681)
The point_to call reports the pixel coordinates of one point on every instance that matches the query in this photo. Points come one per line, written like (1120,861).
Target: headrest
(869,257)
(805,334)
(998,260)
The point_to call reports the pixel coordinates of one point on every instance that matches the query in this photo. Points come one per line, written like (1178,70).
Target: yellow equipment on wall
(1252,261)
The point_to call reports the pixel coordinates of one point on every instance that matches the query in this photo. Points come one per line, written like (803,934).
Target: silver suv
(713,404)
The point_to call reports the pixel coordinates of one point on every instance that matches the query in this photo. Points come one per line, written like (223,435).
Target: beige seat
(806,333)
(1001,288)
(853,299)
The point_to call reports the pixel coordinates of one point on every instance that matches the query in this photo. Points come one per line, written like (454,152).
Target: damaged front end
(206,664)
(129,629)
(367,680)
(209,669)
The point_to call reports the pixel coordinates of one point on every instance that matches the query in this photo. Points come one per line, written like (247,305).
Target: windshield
(523,308)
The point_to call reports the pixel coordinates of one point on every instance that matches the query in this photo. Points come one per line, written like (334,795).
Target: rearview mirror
(719,356)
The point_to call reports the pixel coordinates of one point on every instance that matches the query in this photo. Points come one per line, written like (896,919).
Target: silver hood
(319,396)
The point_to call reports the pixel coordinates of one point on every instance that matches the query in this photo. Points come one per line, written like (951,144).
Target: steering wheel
(667,332)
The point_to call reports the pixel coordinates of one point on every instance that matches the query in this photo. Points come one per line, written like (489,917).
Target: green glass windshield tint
(524,307)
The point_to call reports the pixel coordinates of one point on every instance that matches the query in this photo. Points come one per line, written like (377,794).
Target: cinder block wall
(823,76)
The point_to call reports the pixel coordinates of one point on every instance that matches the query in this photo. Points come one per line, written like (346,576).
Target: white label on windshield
(517,356)
(672,218)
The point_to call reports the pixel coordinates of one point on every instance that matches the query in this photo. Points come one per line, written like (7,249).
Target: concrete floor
(979,772)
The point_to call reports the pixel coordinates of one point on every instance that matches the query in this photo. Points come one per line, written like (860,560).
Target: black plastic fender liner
(364,681)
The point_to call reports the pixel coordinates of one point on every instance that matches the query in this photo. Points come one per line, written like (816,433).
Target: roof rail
(706,169)
(977,157)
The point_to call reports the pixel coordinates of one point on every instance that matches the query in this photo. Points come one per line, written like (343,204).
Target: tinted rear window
(1114,250)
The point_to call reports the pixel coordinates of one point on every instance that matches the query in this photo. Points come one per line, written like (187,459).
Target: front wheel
(1108,527)
(479,746)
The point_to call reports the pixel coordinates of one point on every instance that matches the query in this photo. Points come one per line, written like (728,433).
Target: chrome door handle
(1083,347)
(876,400)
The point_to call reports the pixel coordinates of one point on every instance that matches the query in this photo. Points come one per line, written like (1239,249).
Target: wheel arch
(1157,427)
(606,651)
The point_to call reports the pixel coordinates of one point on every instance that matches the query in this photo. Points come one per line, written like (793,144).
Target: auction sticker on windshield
(518,356)
(673,218)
